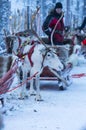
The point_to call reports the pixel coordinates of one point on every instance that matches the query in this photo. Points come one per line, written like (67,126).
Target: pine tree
(4,16)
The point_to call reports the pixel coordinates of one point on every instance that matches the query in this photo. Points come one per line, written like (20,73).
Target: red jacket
(49,25)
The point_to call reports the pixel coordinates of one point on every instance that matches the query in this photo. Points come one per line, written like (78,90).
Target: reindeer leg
(32,90)
(62,83)
(38,96)
(2,101)
(24,93)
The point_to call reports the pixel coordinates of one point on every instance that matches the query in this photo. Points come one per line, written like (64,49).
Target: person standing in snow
(54,24)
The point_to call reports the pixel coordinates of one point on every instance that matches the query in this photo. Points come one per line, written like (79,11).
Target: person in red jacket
(54,21)
(54,24)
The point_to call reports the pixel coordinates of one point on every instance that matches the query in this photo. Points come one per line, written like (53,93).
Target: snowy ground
(60,110)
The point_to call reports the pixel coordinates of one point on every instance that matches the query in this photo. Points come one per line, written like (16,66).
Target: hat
(58,5)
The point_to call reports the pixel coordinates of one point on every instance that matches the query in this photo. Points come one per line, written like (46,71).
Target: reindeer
(40,58)
(35,58)
(50,57)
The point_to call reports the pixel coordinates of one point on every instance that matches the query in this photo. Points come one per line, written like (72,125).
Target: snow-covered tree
(4,16)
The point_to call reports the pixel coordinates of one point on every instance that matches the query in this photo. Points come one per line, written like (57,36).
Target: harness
(21,49)
(44,56)
(30,53)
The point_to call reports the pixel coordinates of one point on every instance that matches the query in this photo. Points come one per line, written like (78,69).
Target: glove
(48,32)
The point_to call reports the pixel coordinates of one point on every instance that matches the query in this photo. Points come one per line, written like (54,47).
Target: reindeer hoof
(22,97)
(32,93)
(38,98)
(62,88)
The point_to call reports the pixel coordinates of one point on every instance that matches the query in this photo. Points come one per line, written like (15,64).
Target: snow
(59,110)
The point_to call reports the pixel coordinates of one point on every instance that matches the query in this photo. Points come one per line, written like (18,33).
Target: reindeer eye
(48,54)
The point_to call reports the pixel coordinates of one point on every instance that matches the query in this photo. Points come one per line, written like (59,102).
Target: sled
(47,75)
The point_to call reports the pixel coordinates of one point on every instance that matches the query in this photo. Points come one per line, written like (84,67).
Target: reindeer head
(52,60)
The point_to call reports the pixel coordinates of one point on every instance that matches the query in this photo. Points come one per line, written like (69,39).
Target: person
(83,24)
(53,18)
(54,24)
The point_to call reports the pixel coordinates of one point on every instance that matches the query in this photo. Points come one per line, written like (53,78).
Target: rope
(25,81)
(78,75)
(3,89)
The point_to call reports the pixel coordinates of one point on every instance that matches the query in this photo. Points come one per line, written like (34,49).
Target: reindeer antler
(55,28)
(34,32)
(34,15)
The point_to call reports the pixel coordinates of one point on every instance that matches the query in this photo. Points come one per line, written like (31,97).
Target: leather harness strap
(30,53)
